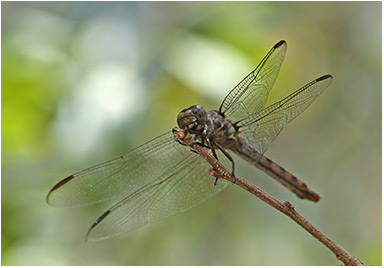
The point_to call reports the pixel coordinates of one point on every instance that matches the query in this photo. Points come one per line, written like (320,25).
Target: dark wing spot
(61,183)
(105,214)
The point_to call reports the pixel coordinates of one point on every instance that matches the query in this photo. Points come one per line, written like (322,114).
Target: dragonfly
(162,177)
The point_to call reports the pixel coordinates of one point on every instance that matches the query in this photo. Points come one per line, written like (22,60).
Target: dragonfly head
(192,118)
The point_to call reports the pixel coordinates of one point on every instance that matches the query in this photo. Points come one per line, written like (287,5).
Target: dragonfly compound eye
(192,118)
(200,114)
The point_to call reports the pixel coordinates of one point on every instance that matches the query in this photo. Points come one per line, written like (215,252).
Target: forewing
(178,189)
(263,128)
(119,177)
(250,95)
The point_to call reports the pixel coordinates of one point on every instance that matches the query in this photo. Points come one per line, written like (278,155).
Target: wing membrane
(261,129)
(250,95)
(121,176)
(175,191)
(156,180)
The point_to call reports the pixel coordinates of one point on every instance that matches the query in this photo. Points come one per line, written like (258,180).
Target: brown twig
(287,208)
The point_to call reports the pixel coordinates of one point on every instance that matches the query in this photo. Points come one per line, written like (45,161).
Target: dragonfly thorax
(221,131)
(193,118)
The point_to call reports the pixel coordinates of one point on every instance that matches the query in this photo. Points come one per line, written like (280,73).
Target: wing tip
(280,43)
(57,186)
(324,77)
(88,236)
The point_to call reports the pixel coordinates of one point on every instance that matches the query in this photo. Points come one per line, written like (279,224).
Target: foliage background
(83,82)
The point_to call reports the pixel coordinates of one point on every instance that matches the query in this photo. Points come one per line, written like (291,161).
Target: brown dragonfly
(162,177)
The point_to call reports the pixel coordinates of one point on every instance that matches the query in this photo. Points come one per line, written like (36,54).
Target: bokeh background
(83,82)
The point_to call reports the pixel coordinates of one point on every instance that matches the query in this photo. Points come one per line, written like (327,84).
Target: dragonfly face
(193,118)
(162,178)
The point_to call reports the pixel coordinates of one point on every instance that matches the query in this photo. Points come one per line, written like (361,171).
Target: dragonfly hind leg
(230,159)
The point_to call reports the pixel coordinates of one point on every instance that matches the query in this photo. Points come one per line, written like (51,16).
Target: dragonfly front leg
(198,135)
(217,158)
(209,146)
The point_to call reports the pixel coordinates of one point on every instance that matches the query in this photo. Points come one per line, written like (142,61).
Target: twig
(287,208)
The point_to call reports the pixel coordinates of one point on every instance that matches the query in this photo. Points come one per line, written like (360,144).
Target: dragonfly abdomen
(277,172)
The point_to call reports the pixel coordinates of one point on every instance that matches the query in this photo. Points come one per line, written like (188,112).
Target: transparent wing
(156,180)
(263,128)
(122,176)
(250,95)
(178,189)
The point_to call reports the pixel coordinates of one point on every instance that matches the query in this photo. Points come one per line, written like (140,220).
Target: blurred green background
(83,82)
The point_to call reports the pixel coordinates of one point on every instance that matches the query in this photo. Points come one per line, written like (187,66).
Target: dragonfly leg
(230,159)
(209,146)
(215,155)
(180,142)
(202,144)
